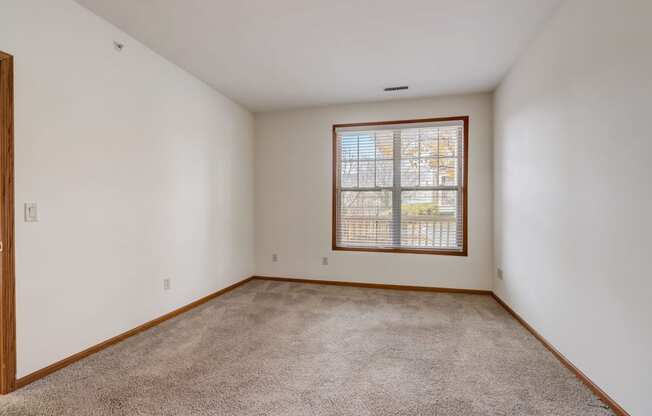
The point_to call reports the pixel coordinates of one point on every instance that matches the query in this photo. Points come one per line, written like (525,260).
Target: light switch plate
(31,212)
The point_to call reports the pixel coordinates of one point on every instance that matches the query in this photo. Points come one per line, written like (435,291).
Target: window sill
(463,253)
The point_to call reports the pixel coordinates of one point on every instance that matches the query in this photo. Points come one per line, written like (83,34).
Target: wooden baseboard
(617,409)
(377,285)
(23,381)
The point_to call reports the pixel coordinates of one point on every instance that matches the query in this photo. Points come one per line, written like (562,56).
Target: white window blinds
(400,186)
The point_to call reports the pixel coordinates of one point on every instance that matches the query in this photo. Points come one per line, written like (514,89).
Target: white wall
(294,195)
(140,171)
(573,196)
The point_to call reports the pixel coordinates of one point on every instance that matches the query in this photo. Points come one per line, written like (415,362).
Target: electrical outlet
(274,257)
(499,273)
(166,284)
(324,261)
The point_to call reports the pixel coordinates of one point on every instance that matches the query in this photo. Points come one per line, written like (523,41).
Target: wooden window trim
(465,190)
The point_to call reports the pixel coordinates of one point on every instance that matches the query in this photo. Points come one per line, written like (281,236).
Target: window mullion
(375,157)
(358,170)
(396,191)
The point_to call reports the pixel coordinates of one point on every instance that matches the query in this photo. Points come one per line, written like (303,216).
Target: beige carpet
(272,348)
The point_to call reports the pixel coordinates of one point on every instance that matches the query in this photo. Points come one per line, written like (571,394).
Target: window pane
(367,147)
(448,172)
(385,145)
(409,172)
(384,173)
(367,174)
(366,160)
(349,146)
(365,218)
(428,142)
(428,172)
(349,174)
(409,143)
(420,150)
(448,141)
(429,220)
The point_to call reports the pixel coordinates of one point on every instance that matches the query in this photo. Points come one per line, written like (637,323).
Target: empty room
(325,207)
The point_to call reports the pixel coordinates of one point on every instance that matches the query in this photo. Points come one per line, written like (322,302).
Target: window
(400,186)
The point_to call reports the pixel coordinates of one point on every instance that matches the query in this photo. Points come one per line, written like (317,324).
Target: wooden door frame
(7,259)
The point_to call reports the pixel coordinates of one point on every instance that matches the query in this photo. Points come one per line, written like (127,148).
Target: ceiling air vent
(403,87)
